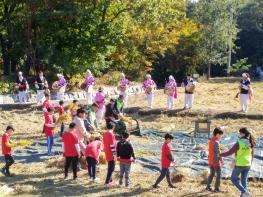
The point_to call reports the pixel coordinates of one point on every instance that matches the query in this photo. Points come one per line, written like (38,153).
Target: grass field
(36,179)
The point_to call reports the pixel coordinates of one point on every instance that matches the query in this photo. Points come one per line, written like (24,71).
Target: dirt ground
(36,179)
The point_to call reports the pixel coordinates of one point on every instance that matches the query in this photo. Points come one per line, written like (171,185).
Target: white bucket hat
(88,72)
(122,75)
(148,76)
(171,78)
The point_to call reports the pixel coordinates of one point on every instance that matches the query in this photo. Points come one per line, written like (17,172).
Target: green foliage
(240,66)
(75,81)
(6,87)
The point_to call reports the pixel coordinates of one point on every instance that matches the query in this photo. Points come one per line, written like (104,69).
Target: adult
(100,100)
(148,86)
(123,88)
(91,116)
(189,85)
(119,105)
(41,85)
(171,92)
(245,91)
(89,83)
(110,115)
(62,84)
(244,153)
(22,87)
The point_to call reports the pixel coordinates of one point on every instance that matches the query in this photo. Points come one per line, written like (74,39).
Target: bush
(74,82)
(111,78)
(6,87)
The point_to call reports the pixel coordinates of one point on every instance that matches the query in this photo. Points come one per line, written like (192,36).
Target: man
(22,86)
(41,84)
(245,92)
(110,115)
(189,85)
(91,117)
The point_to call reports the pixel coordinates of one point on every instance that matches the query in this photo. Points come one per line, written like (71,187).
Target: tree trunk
(209,71)
(6,58)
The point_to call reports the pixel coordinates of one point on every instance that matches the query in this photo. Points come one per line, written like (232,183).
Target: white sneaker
(246,194)
(96,180)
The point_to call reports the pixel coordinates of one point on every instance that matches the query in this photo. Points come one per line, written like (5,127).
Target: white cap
(20,73)
(171,78)
(148,76)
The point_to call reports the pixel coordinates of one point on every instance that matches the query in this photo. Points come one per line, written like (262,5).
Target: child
(71,150)
(214,160)
(109,143)
(49,129)
(7,146)
(125,155)
(61,112)
(92,153)
(167,159)
(73,107)
(47,103)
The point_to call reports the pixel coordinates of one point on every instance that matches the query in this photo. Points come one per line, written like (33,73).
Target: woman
(244,153)
(100,100)
(189,85)
(22,87)
(171,92)
(62,83)
(245,92)
(148,86)
(89,83)
(123,88)
(41,85)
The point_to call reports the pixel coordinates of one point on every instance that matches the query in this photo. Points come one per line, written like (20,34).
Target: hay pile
(102,158)
(204,176)
(57,162)
(180,174)
(5,190)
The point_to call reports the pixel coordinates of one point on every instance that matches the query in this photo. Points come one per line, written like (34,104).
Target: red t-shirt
(69,140)
(93,149)
(6,150)
(60,110)
(47,104)
(48,120)
(109,143)
(166,151)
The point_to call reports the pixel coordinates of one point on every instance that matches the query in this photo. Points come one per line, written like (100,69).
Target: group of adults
(41,84)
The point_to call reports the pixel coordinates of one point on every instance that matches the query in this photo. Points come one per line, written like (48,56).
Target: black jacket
(125,150)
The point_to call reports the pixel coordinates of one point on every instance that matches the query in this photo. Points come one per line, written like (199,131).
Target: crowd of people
(78,126)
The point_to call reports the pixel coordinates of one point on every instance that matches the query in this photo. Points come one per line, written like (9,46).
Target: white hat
(148,76)
(88,71)
(20,73)
(171,78)
(122,75)
(244,75)
(59,75)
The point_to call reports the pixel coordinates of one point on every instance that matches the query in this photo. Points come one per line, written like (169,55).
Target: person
(62,83)
(125,155)
(109,143)
(91,117)
(47,103)
(148,86)
(172,93)
(100,100)
(61,111)
(119,105)
(71,150)
(92,154)
(189,85)
(22,87)
(167,158)
(214,160)
(89,83)
(41,85)
(7,146)
(245,92)
(80,130)
(49,129)
(123,88)
(110,115)
(244,154)
(73,107)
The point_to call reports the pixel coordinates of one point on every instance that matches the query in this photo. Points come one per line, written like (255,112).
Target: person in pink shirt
(172,93)
(123,88)
(49,129)
(100,100)
(62,83)
(47,103)
(148,86)
(89,82)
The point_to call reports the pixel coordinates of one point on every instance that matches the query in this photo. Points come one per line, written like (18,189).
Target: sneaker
(209,189)
(75,178)
(66,178)
(246,194)
(96,180)
(128,186)
(155,186)
(218,191)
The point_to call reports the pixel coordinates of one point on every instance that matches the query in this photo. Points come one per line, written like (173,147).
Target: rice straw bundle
(65,118)
(25,143)
(102,158)
(180,174)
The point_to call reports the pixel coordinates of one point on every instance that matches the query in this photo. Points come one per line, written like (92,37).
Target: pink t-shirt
(172,84)
(148,83)
(100,99)
(89,80)
(93,149)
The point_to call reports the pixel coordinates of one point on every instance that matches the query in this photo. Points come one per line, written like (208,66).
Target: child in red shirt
(109,143)
(47,103)
(92,153)
(71,150)
(49,128)
(61,111)
(7,146)
(167,159)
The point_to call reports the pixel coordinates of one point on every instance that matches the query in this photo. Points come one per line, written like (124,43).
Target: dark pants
(165,172)
(214,170)
(62,128)
(92,167)
(74,162)
(111,167)
(8,162)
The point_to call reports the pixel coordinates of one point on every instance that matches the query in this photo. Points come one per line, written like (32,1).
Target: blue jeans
(125,168)
(242,186)
(50,142)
